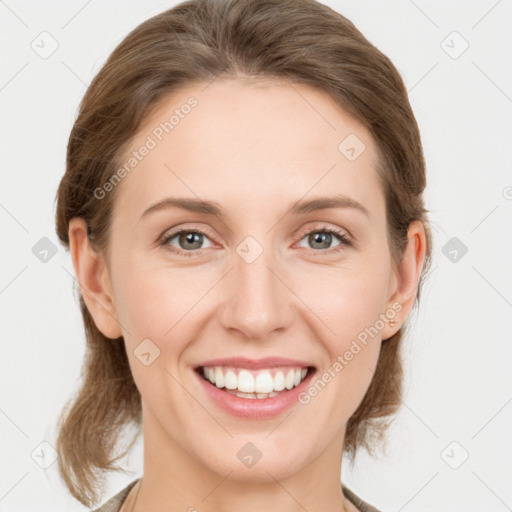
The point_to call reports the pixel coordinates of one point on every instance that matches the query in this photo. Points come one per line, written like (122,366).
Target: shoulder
(361,505)
(114,504)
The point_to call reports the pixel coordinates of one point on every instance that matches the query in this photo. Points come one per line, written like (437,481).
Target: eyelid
(185,227)
(323,226)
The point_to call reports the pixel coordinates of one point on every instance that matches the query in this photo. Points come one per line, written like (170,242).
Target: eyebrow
(297,208)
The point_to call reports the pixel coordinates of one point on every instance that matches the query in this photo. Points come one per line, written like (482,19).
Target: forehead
(243,142)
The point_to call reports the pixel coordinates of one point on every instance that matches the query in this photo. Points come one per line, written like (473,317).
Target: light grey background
(458,399)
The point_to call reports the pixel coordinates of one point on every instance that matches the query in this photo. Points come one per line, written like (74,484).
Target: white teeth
(264,383)
(289,379)
(230,380)
(278,381)
(254,384)
(245,382)
(219,378)
(253,396)
(246,395)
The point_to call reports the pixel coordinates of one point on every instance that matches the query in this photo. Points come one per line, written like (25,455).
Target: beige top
(115,503)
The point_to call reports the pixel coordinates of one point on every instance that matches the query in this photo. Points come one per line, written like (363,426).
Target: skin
(255,148)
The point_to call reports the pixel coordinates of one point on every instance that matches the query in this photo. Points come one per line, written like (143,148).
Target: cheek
(345,300)
(161,311)
(156,310)
(152,299)
(348,311)
(348,304)
(156,301)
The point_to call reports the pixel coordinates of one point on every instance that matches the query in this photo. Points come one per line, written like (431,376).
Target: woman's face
(263,280)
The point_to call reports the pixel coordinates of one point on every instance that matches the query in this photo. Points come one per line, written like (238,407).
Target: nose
(259,302)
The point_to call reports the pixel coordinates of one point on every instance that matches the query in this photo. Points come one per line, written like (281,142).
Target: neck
(176,479)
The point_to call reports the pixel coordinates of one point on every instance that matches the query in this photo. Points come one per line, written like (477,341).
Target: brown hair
(299,41)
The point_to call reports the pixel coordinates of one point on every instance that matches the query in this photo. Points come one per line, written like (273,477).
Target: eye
(322,238)
(188,241)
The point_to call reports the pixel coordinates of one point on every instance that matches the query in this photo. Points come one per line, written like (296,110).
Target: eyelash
(343,238)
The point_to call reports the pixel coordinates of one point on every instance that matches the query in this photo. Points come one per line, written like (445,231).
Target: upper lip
(265,362)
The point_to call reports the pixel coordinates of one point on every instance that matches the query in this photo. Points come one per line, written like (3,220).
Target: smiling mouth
(255,384)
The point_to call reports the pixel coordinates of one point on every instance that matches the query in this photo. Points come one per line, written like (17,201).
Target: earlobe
(92,275)
(406,276)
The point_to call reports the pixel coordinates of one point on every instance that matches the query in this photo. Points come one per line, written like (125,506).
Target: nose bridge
(258,302)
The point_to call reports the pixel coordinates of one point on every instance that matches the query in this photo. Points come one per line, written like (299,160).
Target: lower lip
(256,408)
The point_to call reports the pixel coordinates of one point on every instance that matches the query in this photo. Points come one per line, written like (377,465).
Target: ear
(405,279)
(92,275)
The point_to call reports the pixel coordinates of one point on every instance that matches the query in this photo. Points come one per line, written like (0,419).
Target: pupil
(319,237)
(191,237)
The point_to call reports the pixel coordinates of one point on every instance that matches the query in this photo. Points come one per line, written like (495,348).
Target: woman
(243,208)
